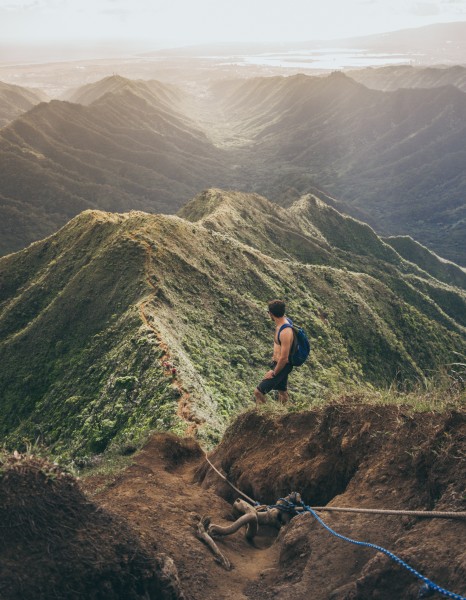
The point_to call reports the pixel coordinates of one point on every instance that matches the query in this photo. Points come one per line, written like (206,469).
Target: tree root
(251,517)
(249,520)
(202,534)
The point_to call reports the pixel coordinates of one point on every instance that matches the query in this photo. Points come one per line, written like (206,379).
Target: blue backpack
(301,347)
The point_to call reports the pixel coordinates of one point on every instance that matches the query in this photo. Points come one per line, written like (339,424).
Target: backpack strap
(281,329)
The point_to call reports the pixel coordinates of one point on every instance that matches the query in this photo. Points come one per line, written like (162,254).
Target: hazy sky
(188,21)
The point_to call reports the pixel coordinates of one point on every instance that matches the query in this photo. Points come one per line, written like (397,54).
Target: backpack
(301,347)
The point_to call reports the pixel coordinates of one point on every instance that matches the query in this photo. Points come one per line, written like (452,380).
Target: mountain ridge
(91,316)
(150,89)
(375,151)
(119,153)
(392,159)
(407,76)
(16,100)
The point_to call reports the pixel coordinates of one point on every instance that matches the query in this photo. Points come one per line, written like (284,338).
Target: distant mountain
(16,100)
(90,316)
(393,159)
(398,158)
(129,149)
(154,93)
(431,44)
(406,76)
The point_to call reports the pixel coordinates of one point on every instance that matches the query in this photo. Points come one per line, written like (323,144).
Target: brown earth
(345,455)
(56,544)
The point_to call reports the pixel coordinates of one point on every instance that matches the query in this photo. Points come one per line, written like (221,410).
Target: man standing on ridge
(277,377)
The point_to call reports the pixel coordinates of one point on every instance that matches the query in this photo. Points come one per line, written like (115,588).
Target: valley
(121,144)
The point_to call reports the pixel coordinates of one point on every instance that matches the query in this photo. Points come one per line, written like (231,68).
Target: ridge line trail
(157,494)
(184,402)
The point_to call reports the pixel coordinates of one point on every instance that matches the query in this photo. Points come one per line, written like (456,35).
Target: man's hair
(277,308)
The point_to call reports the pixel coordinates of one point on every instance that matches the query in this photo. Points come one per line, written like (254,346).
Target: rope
(410,513)
(377,511)
(291,507)
(246,497)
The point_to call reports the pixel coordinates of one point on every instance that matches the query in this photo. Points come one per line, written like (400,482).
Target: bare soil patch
(56,544)
(359,456)
(343,455)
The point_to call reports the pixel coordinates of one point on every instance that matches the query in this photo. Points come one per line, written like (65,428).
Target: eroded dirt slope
(344,455)
(159,496)
(55,543)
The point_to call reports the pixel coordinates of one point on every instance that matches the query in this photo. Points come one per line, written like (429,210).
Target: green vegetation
(395,160)
(439,268)
(89,315)
(131,148)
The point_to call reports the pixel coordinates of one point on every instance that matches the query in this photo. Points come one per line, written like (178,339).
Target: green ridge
(87,314)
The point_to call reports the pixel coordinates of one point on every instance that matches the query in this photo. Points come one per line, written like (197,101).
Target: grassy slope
(87,315)
(15,100)
(130,149)
(71,337)
(396,156)
(416,253)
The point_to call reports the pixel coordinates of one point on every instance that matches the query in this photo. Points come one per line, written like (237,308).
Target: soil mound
(57,544)
(159,496)
(360,456)
(343,455)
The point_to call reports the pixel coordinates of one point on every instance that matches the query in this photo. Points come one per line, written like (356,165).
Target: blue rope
(290,507)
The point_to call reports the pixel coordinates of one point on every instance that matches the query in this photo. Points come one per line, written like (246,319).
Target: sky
(155,23)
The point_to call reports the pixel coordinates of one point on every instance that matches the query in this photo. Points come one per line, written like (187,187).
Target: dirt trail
(159,497)
(184,403)
(161,500)
(344,455)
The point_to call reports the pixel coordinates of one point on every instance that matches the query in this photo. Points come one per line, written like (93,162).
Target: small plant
(127,383)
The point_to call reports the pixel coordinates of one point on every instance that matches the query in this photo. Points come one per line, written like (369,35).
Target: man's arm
(275,359)
(286,339)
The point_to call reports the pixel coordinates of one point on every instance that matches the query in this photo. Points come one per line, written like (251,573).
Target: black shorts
(279,382)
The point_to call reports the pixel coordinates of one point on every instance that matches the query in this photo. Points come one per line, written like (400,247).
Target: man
(277,377)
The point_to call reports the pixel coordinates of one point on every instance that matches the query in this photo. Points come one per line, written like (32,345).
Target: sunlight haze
(183,22)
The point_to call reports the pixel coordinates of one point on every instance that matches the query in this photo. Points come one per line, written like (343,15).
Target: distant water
(328,58)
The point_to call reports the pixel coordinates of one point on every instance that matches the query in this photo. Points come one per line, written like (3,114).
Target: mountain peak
(15,100)
(91,92)
(116,84)
(216,204)
(308,201)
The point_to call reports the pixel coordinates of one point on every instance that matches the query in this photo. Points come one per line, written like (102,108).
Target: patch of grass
(107,465)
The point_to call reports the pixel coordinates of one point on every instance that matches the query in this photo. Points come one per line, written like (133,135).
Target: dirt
(159,496)
(56,544)
(356,456)
(343,455)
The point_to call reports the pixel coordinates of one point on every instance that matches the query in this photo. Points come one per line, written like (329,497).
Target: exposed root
(202,534)
(251,518)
